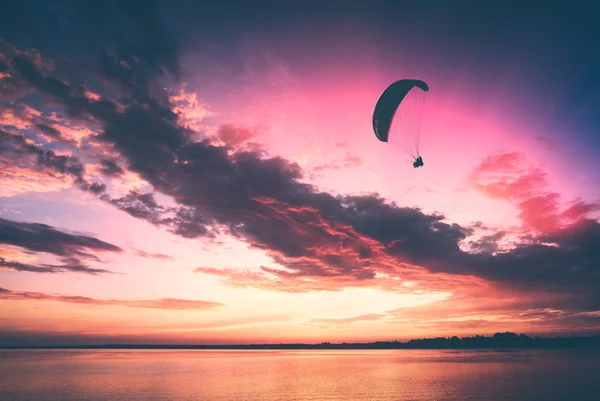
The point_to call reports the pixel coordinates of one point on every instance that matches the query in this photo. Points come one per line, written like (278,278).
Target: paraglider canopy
(398,109)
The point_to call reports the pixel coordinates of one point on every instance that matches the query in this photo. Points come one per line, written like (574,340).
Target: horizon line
(498,340)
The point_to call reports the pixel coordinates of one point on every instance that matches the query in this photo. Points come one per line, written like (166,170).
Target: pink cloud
(15,254)
(507,176)
(153,255)
(18,180)
(163,303)
(362,318)
(190,110)
(348,161)
(234,136)
(19,117)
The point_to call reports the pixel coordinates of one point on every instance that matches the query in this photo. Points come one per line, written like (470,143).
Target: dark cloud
(110,168)
(487,243)
(11,84)
(48,84)
(163,303)
(96,187)
(39,237)
(17,150)
(133,30)
(559,267)
(142,206)
(48,130)
(72,265)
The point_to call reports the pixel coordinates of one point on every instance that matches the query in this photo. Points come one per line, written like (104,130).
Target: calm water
(299,375)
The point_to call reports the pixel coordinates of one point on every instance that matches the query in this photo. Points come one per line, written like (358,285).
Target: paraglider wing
(388,103)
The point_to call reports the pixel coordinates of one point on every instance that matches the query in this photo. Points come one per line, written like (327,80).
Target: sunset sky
(178,172)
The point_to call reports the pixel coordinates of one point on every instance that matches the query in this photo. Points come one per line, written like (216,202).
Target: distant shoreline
(498,341)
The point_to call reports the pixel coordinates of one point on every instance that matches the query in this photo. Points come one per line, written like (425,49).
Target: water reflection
(299,375)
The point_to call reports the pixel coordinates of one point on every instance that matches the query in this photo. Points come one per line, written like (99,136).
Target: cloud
(162,256)
(491,308)
(39,237)
(270,279)
(52,132)
(488,243)
(17,180)
(71,265)
(42,238)
(142,206)
(252,278)
(20,152)
(348,161)
(51,126)
(162,303)
(110,168)
(234,136)
(506,176)
(535,320)
(361,318)
(17,116)
(72,249)
(190,111)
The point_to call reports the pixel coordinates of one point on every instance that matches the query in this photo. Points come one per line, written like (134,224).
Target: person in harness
(418,162)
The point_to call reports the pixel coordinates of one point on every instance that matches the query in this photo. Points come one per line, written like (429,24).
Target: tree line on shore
(498,340)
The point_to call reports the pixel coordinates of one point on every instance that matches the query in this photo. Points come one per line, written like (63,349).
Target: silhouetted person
(418,162)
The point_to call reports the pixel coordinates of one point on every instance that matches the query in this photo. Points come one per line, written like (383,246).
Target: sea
(316,375)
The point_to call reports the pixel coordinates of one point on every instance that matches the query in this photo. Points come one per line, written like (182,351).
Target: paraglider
(398,109)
